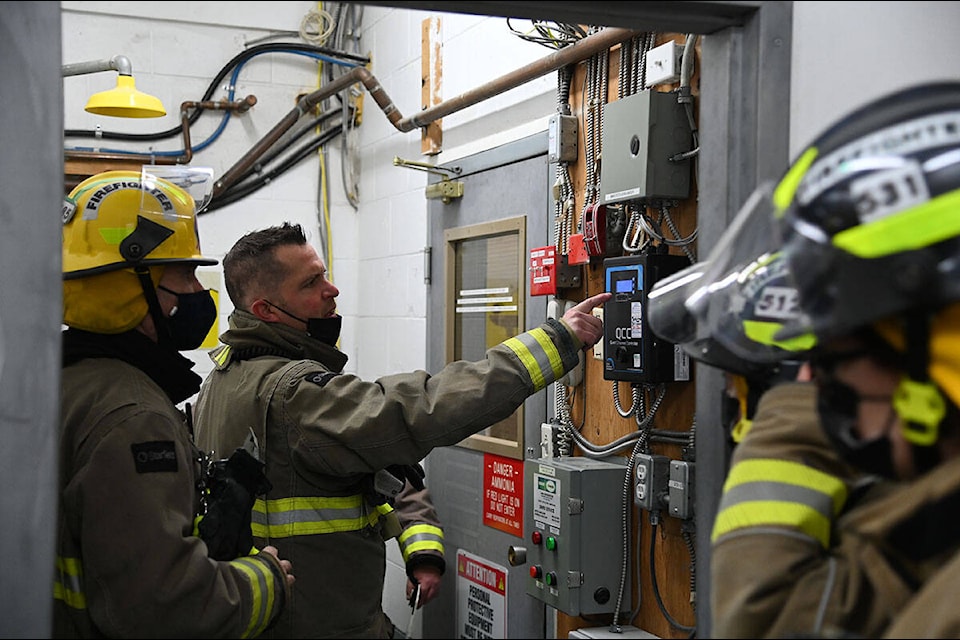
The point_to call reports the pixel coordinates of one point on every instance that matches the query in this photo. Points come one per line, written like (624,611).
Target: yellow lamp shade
(125,102)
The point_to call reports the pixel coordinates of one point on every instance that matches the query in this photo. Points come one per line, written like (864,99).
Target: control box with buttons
(575,502)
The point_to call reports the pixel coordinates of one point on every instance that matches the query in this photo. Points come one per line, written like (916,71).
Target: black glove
(234,485)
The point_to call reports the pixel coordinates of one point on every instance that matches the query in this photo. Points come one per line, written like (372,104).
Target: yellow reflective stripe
(550,349)
(779,492)
(68,586)
(303,516)
(787,472)
(765,333)
(528,361)
(539,355)
(220,355)
(423,545)
(420,537)
(773,513)
(787,189)
(262,587)
(926,224)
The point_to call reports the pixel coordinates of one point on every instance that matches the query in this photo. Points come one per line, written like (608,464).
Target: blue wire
(226,114)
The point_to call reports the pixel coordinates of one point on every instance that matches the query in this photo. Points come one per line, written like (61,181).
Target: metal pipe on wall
(585,48)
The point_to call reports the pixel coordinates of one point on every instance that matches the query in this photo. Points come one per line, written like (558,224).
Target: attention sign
(481,598)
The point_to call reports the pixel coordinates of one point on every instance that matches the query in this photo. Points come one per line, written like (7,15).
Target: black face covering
(837,405)
(326,330)
(191,319)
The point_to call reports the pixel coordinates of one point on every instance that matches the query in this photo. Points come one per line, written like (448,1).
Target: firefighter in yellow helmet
(867,220)
(128,561)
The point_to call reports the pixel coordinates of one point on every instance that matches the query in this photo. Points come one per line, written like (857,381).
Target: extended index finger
(587,305)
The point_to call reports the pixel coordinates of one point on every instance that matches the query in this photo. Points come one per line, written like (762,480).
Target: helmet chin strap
(917,399)
(164,338)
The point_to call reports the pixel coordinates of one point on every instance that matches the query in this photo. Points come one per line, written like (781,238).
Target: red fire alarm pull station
(543,271)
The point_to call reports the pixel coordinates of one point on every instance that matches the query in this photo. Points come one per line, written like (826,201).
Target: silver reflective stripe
(539,355)
(302,516)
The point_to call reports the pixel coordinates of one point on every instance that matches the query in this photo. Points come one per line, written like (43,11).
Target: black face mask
(326,330)
(837,406)
(191,319)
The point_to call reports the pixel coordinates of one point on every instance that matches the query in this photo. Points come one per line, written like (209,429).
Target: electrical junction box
(681,488)
(640,134)
(663,64)
(576,503)
(562,134)
(631,351)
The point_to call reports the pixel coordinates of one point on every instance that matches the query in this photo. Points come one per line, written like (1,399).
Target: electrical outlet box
(681,489)
(641,133)
(547,440)
(651,475)
(663,64)
(598,347)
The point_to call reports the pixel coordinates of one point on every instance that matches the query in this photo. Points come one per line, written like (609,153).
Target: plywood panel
(594,410)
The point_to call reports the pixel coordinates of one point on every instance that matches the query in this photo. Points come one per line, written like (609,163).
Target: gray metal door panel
(503,182)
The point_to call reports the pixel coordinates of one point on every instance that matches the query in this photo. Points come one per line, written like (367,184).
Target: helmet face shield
(750,236)
(195,181)
(666,305)
(727,310)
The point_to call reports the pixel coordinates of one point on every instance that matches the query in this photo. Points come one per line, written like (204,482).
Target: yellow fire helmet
(118,224)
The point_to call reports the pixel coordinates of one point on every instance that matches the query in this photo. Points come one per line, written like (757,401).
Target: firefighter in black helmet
(856,537)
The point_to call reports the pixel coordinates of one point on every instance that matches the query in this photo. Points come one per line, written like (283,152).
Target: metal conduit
(583,49)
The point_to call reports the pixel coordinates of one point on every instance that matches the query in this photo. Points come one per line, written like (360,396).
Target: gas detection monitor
(631,351)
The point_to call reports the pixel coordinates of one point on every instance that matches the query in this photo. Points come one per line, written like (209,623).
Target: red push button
(536,537)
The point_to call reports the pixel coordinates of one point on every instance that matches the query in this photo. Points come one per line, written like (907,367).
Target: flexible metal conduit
(600,41)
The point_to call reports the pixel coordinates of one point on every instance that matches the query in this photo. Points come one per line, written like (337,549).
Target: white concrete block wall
(848,53)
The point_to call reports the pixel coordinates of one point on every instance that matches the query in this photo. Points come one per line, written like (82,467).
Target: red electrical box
(543,271)
(577,254)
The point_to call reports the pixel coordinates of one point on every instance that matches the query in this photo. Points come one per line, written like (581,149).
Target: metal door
(505,183)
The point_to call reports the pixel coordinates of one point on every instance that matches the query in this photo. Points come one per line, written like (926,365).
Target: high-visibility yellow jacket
(128,563)
(805,546)
(325,433)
